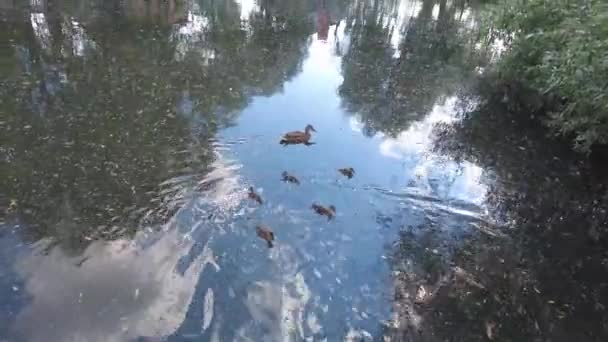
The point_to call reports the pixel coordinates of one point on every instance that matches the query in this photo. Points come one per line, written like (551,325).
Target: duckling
(330,211)
(298,137)
(265,233)
(289,178)
(254,196)
(347,171)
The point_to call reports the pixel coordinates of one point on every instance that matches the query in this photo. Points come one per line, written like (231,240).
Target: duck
(298,137)
(348,172)
(265,233)
(254,196)
(330,211)
(289,178)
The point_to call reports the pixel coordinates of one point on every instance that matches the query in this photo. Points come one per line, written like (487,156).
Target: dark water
(131,131)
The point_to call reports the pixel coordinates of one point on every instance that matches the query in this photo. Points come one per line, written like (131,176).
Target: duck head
(309,128)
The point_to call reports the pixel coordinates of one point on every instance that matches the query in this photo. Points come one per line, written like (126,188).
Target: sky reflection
(184,124)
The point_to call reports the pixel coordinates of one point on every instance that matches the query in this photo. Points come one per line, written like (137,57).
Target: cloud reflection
(461,181)
(121,291)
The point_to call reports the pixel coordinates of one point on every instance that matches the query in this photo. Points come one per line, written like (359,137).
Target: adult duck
(298,137)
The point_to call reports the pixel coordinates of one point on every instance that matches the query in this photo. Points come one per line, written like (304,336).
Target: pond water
(132,130)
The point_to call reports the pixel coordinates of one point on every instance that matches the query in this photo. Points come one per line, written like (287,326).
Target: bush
(560,48)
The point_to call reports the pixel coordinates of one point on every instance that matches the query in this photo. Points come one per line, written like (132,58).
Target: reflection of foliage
(388,88)
(490,287)
(88,145)
(543,279)
(481,294)
(276,39)
(90,134)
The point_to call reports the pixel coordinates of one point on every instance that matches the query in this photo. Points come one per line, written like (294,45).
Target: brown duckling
(289,178)
(298,137)
(347,171)
(254,196)
(330,211)
(265,233)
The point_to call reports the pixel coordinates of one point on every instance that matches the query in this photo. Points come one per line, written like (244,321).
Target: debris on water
(490,325)
(421,294)
(313,323)
(207,257)
(12,205)
(208,309)
(317,273)
(345,237)
(467,277)
(358,336)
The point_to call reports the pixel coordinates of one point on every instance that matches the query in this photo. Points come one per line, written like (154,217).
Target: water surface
(132,131)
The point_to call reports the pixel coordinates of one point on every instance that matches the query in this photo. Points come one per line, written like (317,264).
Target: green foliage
(560,48)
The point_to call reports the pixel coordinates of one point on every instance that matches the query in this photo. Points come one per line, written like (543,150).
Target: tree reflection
(403,59)
(536,273)
(112,100)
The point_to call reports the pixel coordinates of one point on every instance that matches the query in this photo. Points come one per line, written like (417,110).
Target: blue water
(151,235)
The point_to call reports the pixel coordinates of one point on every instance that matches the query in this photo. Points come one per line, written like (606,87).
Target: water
(133,129)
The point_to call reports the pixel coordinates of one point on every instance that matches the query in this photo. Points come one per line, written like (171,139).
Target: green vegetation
(558,48)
